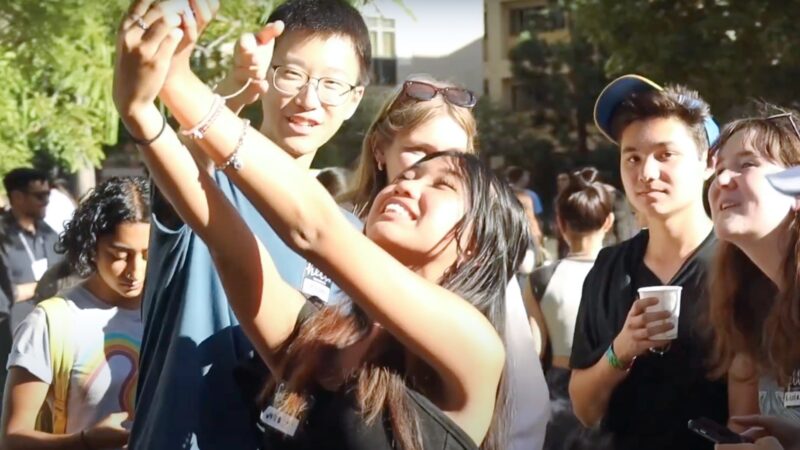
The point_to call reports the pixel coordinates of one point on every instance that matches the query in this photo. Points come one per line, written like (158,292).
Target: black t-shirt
(651,407)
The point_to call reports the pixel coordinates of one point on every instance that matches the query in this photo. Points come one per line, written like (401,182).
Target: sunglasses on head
(420,90)
(789,116)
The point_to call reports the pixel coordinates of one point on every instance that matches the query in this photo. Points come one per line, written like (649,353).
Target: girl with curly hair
(91,332)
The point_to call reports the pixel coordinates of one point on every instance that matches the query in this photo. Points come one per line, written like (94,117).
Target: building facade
(506,22)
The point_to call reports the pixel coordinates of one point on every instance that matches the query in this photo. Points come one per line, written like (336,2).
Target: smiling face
(300,123)
(661,168)
(415,217)
(744,206)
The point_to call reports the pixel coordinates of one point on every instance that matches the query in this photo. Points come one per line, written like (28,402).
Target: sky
(439,27)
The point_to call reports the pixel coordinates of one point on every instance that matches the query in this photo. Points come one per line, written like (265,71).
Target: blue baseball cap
(619,90)
(786,181)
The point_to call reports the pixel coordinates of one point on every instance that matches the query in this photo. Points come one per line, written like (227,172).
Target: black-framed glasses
(291,80)
(420,90)
(789,116)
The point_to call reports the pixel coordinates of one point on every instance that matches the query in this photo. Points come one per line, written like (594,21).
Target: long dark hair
(115,201)
(496,227)
(748,312)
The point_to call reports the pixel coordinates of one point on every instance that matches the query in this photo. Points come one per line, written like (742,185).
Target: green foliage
(730,51)
(562,73)
(56,69)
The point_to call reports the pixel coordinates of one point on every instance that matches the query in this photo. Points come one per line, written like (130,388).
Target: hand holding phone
(715,432)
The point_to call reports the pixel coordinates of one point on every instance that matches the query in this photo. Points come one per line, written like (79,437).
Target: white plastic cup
(669,299)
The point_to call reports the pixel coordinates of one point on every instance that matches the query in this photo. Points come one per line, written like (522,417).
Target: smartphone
(715,432)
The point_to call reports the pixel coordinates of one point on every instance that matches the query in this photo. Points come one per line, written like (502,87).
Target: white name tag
(39,267)
(316,283)
(280,421)
(791,399)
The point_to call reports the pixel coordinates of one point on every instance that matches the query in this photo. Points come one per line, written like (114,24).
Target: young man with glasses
(637,388)
(27,249)
(189,391)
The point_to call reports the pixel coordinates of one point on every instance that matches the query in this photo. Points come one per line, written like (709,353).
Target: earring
(380,166)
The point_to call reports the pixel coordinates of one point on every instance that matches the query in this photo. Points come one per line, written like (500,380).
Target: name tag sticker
(316,283)
(791,398)
(280,421)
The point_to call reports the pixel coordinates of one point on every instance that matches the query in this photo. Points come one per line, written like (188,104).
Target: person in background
(97,324)
(27,239)
(26,251)
(584,214)
(638,388)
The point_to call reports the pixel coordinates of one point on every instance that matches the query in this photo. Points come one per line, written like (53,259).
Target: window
(535,19)
(384,54)
(381,37)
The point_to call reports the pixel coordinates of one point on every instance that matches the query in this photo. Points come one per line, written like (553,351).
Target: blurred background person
(99,325)
(584,215)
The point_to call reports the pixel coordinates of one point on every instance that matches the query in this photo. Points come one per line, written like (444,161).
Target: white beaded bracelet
(233,161)
(199,131)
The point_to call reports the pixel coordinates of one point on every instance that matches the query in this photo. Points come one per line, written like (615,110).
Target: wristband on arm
(615,362)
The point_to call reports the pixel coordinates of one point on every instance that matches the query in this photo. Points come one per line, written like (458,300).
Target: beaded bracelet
(233,161)
(199,131)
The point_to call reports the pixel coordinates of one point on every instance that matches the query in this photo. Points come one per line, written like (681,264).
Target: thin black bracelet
(150,141)
(85,441)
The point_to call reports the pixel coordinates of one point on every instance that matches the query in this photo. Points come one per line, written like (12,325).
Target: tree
(729,51)
(562,73)
(56,67)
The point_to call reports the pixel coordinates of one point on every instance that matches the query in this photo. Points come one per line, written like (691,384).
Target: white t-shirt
(106,342)
(560,303)
(529,396)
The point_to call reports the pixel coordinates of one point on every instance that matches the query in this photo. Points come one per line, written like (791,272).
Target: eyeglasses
(790,116)
(291,81)
(420,90)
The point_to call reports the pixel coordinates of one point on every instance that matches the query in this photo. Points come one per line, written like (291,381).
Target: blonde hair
(400,114)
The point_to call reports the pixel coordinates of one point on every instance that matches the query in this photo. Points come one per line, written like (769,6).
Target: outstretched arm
(430,321)
(247,272)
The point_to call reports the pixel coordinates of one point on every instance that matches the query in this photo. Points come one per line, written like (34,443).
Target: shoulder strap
(61,357)
(540,278)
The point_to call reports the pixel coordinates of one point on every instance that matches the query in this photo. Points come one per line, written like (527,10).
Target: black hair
(585,203)
(515,175)
(673,101)
(19,179)
(328,18)
(115,201)
(498,234)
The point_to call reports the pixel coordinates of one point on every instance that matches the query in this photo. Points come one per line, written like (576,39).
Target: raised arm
(430,321)
(245,268)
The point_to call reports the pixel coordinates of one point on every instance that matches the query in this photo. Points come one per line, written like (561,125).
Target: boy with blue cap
(638,388)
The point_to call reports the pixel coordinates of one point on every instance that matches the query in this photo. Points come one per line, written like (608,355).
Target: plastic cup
(669,299)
